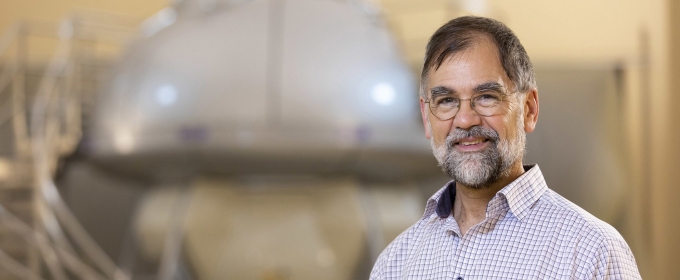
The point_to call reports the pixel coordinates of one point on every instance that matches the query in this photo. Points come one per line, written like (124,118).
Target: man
(497,219)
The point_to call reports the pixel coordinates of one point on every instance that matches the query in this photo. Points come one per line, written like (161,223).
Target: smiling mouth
(471,142)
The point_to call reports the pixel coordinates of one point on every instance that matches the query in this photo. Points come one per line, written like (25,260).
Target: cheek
(506,128)
(506,125)
(510,123)
(440,130)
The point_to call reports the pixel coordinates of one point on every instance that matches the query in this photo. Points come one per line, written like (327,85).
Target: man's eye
(487,99)
(488,96)
(446,101)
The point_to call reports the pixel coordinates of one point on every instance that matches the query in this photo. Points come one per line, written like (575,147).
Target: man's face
(476,150)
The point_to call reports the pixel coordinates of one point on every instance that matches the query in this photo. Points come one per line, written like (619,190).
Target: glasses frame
(472,105)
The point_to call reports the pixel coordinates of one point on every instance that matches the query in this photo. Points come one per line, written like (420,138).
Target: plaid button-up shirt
(530,232)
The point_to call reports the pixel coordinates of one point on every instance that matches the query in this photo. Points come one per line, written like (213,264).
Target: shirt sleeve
(614,260)
(382,265)
(379,267)
(390,262)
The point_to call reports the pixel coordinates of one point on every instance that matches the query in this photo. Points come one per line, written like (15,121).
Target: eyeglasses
(446,106)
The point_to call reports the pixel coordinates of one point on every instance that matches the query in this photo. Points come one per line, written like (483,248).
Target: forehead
(465,70)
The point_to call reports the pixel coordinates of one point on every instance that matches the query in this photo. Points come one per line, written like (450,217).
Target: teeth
(471,143)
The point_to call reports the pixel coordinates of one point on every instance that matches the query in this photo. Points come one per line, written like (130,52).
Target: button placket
(461,254)
(467,251)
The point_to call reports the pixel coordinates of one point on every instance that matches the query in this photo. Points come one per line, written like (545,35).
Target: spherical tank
(263,86)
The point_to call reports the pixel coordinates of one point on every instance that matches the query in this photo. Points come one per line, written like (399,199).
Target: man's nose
(466,117)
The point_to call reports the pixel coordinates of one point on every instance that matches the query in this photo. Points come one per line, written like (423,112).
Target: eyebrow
(490,86)
(441,90)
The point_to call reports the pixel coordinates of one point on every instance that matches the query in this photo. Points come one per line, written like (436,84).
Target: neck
(469,207)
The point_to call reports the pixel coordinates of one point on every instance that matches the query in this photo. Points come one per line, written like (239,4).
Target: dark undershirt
(445,204)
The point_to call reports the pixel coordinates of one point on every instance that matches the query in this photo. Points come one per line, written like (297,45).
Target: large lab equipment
(303,86)
(295,122)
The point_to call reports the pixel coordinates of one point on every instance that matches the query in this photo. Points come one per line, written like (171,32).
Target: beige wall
(578,30)
(574,31)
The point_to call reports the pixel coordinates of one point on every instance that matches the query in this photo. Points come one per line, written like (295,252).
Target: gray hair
(459,33)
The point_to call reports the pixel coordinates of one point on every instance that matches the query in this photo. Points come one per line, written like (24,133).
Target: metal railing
(55,240)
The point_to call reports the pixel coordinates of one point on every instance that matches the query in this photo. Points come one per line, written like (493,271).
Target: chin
(472,174)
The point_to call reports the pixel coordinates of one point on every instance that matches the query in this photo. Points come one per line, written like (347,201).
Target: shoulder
(600,251)
(391,261)
(397,252)
(552,206)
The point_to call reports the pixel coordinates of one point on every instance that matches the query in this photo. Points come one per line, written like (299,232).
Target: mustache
(475,131)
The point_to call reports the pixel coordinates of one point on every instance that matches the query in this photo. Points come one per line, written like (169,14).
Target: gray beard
(480,169)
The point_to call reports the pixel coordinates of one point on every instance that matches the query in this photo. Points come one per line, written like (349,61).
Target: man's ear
(423,112)
(530,111)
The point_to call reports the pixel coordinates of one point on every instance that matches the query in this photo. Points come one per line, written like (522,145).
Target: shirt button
(459,278)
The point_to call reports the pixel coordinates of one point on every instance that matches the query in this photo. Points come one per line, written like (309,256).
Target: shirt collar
(433,202)
(521,194)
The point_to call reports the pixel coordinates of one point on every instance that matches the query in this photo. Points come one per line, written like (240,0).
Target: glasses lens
(487,104)
(444,107)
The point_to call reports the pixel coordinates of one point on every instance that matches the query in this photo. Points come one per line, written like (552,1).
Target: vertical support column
(73,91)
(654,132)
(669,245)
(22,142)
(19,97)
(644,197)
